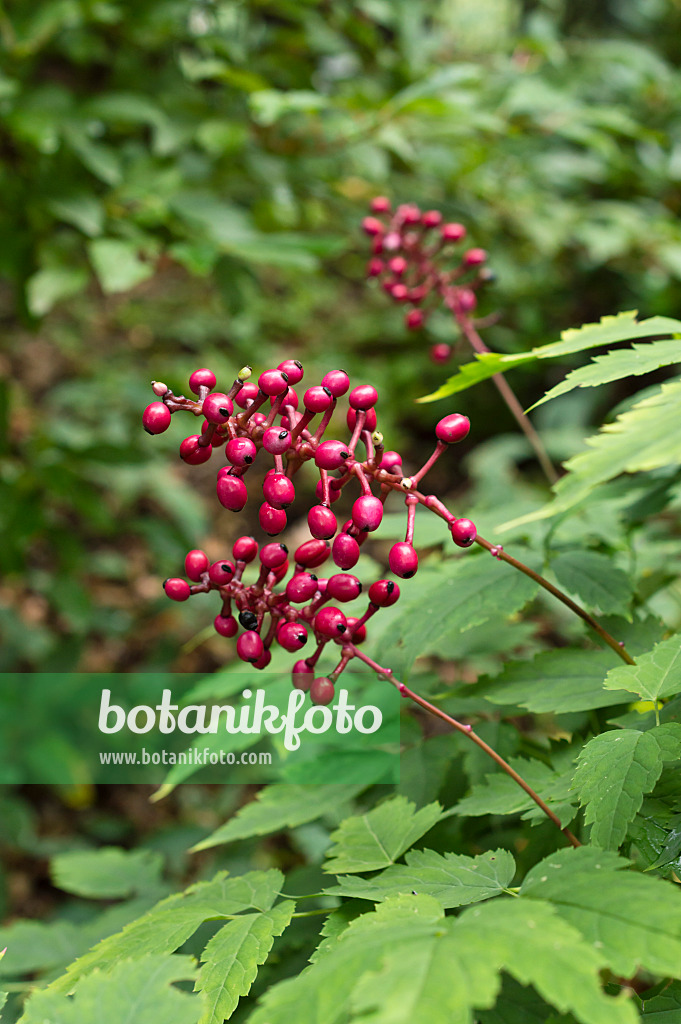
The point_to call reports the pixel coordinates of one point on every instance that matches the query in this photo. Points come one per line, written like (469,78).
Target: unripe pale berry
(474,257)
(245,549)
(337,381)
(273,555)
(367,513)
(392,241)
(240,451)
(358,636)
(415,319)
(331,455)
(322,690)
(278,490)
(344,587)
(441,353)
(217,408)
(249,647)
(176,589)
(312,553)
(276,441)
(231,492)
(221,573)
(334,492)
(391,462)
(369,420)
(463,532)
(202,379)
(156,418)
(226,625)
(293,370)
(272,520)
(384,593)
(322,522)
(246,395)
(195,563)
(302,675)
(381,204)
(364,396)
(452,428)
(301,587)
(273,382)
(292,636)
(330,622)
(194,453)
(317,399)
(453,232)
(403,560)
(345,551)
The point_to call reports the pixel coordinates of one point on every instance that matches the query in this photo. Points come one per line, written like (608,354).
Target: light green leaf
(633,920)
(500,794)
(106,874)
(454,880)
(37,946)
(593,578)
(118,265)
(232,957)
(280,807)
(3,1000)
(614,771)
(52,284)
(139,990)
(377,838)
(656,674)
(269,105)
(84,211)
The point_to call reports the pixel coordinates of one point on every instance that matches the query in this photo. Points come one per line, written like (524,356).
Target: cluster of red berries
(241,421)
(410,258)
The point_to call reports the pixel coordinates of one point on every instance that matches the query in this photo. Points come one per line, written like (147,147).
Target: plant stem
(467,730)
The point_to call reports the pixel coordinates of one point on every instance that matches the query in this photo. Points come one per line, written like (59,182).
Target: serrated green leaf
(634,920)
(232,957)
(557,681)
(500,794)
(171,922)
(664,1008)
(139,990)
(614,771)
(593,578)
(656,674)
(280,807)
(377,838)
(454,880)
(106,874)
(519,1004)
(118,265)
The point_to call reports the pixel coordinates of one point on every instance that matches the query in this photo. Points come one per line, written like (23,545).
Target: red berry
(221,573)
(410,213)
(293,370)
(397,265)
(302,675)
(273,555)
(290,398)
(334,493)
(371,226)
(364,396)
(195,563)
(258,419)
(331,455)
(226,625)
(202,379)
(367,513)
(403,560)
(358,636)
(245,549)
(415,319)
(369,420)
(391,462)
(312,553)
(330,622)
(452,428)
(344,587)
(399,292)
(453,232)
(463,532)
(280,571)
(292,636)
(431,219)
(278,490)
(272,520)
(317,399)
(276,441)
(322,690)
(246,395)
(465,300)
(380,205)
(194,453)
(375,267)
(273,382)
(345,551)
(441,352)
(217,408)
(322,522)
(263,661)
(249,646)
(240,451)
(232,493)
(301,587)
(337,382)
(156,418)
(176,589)
(474,257)
(384,593)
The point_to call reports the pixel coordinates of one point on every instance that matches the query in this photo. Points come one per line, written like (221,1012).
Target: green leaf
(118,265)
(634,920)
(269,105)
(84,211)
(106,874)
(37,946)
(614,771)
(3,1000)
(139,990)
(656,674)
(500,794)
(172,921)
(280,807)
(454,880)
(232,957)
(664,1008)
(557,681)
(595,580)
(377,838)
(52,284)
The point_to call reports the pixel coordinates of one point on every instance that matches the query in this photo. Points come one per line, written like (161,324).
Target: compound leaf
(500,794)
(376,839)
(657,673)
(593,578)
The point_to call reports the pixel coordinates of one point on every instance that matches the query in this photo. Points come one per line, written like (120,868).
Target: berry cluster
(411,252)
(252,418)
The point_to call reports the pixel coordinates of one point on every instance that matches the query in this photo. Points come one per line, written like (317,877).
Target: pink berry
(276,441)
(263,661)
(302,675)
(337,382)
(293,370)
(371,226)
(391,462)
(301,587)
(217,408)
(317,399)
(272,520)
(357,635)
(367,513)
(440,353)
(292,636)
(273,555)
(290,398)
(392,241)
(202,379)
(240,451)
(322,522)
(384,593)
(246,395)
(375,267)
(312,553)
(232,493)
(380,205)
(156,418)
(474,257)
(410,213)
(258,419)
(226,625)
(453,232)
(195,563)
(273,382)
(330,622)
(400,292)
(350,528)
(364,396)
(334,493)
(280,571)
(194,453)
(463,532)
(465,300)
(415,319)
(249,646)
(245,549)
(345,551)
(322,690)
(176,589)
(331,455)
(221,573)
(278,490)
(403,560)
(369,420)
(397,265)
(431,219)
(344,587)
(452,428)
